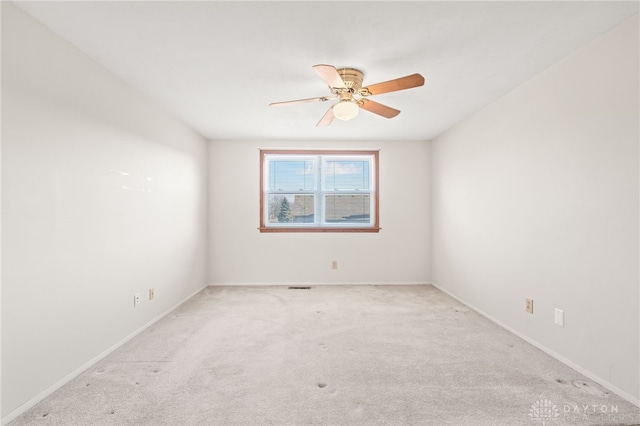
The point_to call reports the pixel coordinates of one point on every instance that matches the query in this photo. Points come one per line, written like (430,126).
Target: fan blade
(378,108)
(408,82)
(299,101)
(330,75)
(326,119)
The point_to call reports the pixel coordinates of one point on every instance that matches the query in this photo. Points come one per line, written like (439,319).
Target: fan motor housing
(352,78)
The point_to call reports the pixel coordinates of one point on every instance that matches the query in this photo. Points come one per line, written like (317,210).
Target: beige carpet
(343,355)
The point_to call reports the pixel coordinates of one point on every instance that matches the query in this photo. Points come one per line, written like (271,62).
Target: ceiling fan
(345,84)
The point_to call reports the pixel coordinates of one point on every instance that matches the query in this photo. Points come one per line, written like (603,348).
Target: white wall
(103,196)
(240,254)
(537,196)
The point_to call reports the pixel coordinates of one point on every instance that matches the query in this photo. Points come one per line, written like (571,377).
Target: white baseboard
(33,401)
(298,283)
(623,394)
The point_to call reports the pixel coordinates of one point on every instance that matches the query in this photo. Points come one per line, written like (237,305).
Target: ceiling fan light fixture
(346,110)
(345,83)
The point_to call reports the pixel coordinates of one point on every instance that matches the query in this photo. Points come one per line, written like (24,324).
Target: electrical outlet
(559,317)
(334,264)
(151,294)
(528,305)
(136,299)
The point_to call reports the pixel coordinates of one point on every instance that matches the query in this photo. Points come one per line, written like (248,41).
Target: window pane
(290,208)
(291,175)
(348,208)
(346,174)
(313,190)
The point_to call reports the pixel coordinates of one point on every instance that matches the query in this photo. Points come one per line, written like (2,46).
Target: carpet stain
(322,385)
(562,382)
(591,388)
(45,414)
(322,346)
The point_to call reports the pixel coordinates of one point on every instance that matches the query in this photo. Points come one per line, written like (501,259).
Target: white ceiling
(217,65)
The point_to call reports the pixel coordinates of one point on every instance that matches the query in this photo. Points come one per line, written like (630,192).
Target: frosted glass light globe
(346,110)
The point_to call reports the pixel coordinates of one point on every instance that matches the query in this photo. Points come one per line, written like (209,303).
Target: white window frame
(319,190)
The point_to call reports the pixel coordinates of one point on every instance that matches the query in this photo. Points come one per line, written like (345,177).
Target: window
(318,191)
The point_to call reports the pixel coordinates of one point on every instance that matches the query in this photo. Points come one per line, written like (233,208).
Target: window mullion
(319,191)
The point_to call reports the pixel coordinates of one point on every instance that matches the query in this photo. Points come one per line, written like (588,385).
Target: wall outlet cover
(559,317)
(528,305)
